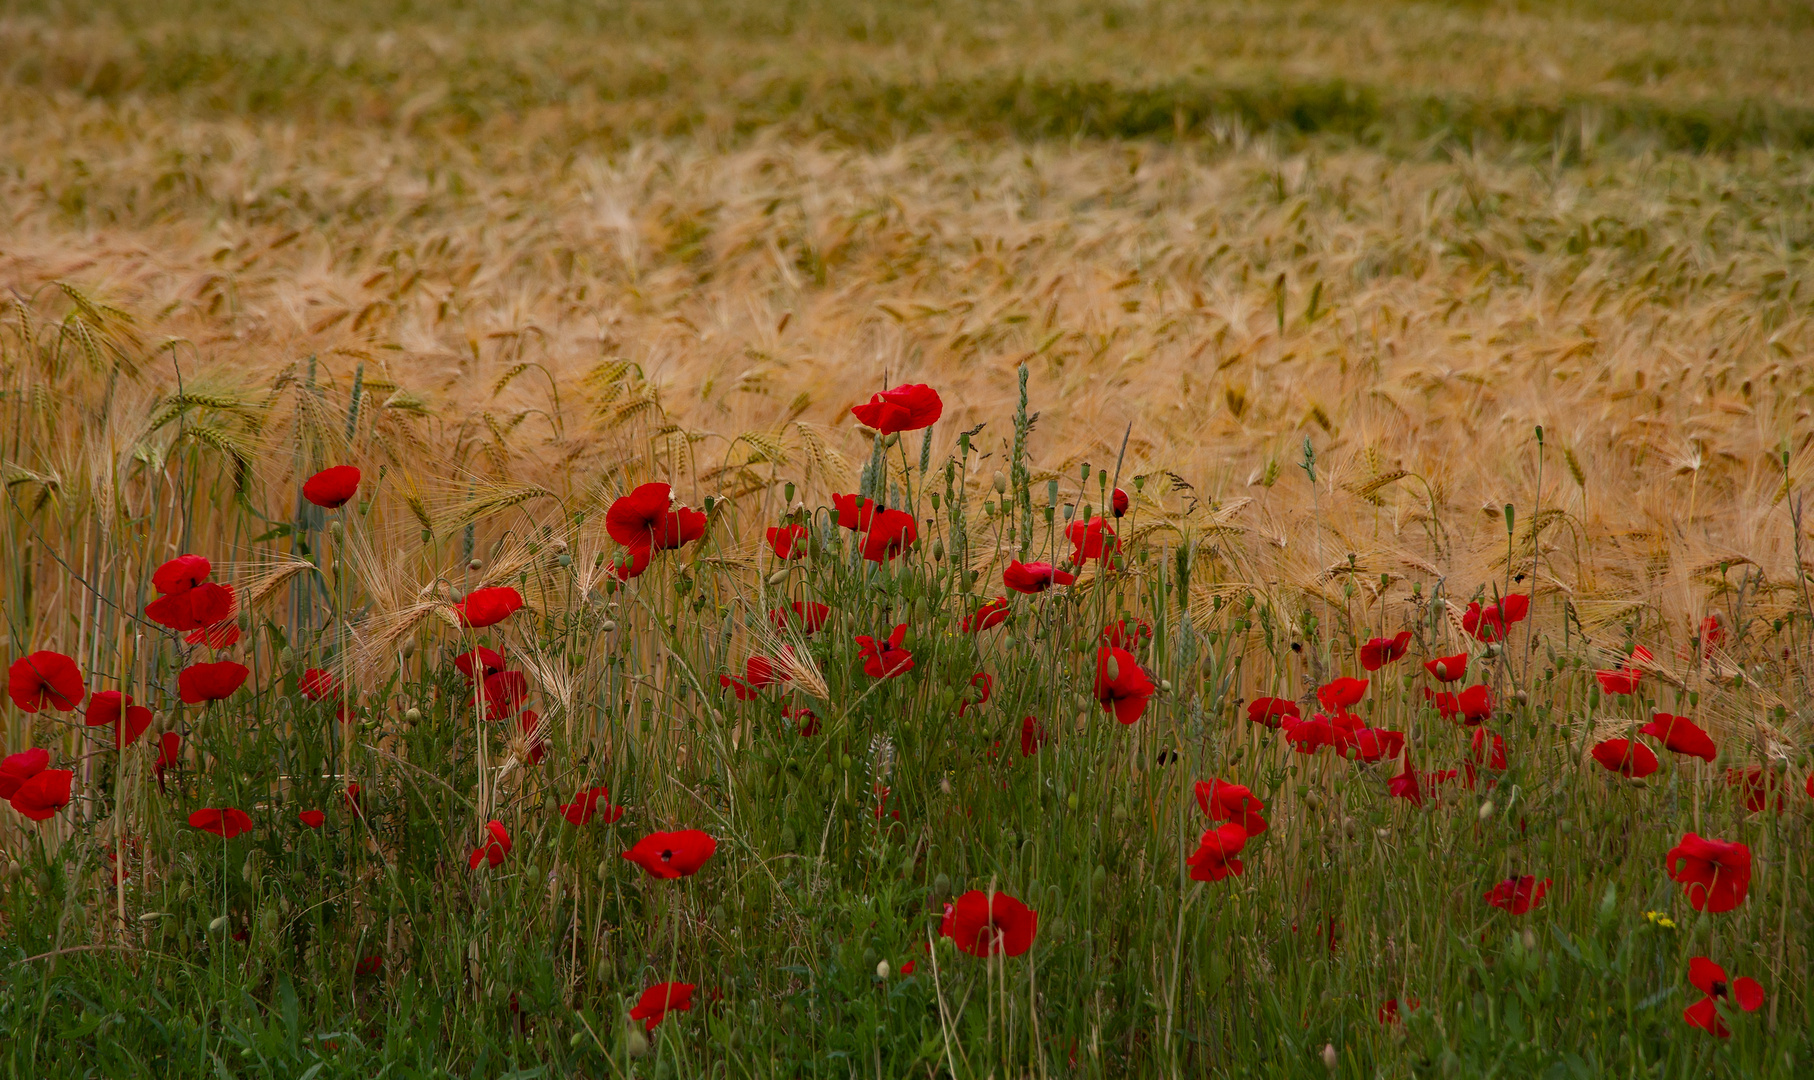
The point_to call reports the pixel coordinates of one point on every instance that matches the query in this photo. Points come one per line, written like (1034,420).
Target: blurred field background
(555,248)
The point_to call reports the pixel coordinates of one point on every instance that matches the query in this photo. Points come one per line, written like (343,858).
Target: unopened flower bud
(1001,483)
(1329,1056)
(474,564)
(1486,810)
(882,970)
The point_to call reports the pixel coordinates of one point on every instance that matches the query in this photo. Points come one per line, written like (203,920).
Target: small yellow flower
(1660,919)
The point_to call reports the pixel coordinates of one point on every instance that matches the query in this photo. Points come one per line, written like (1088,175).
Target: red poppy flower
(660,1000)
(1448,668)
(318,684)
(984,684)
(670,855)
(1714,874)
(311,818)
(1122,685)
(1034,577)
(1309,736)
(332,488)
(503,693)
(370,965)
(484,661)
(808,618)
(1388,1012)
(492,848)
(181,574)
(105,707)
(1710,979)
(1032,736)
(904,408)
(1341,693)
(45,678)
(1369,744)
(1517,895)
(16,769)
(47,792)
(1214,858)
(1118,502)
(788,541)
(199,608)
(1475,704)
(1681,735)
(1627,757)
(1224,801)
(585,804)
(225,822)
(1757,785)
(488,607)
(1472,706)
(1713,634)
(888,659)
(169,751)
(1090,542)
(1491,623)
(992,613)
(1380,651)
(1271,711)
(984,924)
(631,563)
(1485,753)
(803,717)
(1621,681)
(1122,635)
(222,635)
(648,518)
(1412,785)
(890,532)
(853,511)
(351,797)
(210,682)
(739,688)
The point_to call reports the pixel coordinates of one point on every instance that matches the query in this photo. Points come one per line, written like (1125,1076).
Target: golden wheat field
(1373,309)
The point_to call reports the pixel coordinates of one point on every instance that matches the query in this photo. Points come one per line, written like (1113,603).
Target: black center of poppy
(1719,989)
(667,856)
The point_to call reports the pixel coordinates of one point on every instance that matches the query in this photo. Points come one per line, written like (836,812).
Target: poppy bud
(610,626)
(1486,810)
(150,916)
(882,970)
(775,579)
(636,1044)
(1111,668)
(336,529)
(1001,483)
(412,716)
(286,656)
(890,439)
(474,565)
(1530,941)
(218,924)
(1329,1056)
